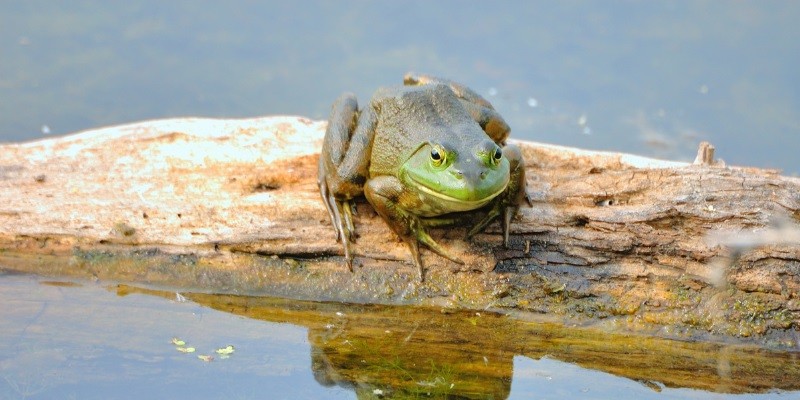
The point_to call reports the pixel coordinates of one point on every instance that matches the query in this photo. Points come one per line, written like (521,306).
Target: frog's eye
(437,156)
(498,154)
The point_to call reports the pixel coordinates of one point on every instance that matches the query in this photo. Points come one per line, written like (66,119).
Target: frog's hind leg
(479,108)
(344,163)
(332,188)
(340,215)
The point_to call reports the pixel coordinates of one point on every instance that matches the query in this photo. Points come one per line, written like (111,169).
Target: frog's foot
(342,220)
(507,204)
(341,216)
(384,192)
(507,213)
(505,223)
(414,234)
(344,225)
(494,212)
(424,238)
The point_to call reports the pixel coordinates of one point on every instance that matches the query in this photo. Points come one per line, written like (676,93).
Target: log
(689,250)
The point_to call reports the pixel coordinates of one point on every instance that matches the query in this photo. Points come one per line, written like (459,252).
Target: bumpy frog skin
(419,152)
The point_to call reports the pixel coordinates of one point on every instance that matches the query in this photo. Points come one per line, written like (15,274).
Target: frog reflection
(435,357)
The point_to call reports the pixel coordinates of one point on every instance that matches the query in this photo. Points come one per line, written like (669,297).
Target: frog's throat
(468,204)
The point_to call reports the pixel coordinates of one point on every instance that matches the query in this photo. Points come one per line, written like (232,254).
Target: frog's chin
(446,203)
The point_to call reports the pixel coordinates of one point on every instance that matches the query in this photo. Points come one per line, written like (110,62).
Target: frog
(422,154)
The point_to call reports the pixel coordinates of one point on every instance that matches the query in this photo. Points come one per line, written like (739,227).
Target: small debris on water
(178,342)
(185,349)
(45,130)
(205,357)
(532,102)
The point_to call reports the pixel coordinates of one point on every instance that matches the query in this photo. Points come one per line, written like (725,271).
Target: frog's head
(464,175)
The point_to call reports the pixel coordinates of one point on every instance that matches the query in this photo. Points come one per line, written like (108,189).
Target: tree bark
(696,250)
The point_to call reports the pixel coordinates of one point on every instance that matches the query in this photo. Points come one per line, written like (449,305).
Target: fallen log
(698,250)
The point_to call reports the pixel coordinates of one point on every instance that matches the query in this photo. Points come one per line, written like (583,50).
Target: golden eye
(498,154)
(437,156)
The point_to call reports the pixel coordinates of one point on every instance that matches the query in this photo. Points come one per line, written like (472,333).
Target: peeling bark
(691,250)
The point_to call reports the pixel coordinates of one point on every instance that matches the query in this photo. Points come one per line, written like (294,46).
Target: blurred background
(652,77)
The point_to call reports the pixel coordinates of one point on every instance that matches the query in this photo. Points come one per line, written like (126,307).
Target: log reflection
(408,351)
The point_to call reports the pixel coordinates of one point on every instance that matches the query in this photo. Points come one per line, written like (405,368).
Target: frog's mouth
(462,204)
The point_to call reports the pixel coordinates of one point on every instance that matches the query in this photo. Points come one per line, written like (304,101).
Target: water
(65,340)
(652,78)
(86,342)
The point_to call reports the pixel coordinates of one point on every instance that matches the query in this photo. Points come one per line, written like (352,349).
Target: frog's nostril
(458,174)
(483,175)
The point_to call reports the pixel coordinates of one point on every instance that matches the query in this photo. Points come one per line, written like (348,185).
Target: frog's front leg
(507,204)
(392,202)
(344,163)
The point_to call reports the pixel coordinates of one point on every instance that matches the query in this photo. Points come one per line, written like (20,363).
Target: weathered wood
(699,250)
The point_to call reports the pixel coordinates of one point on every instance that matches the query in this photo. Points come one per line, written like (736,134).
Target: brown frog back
(410,116)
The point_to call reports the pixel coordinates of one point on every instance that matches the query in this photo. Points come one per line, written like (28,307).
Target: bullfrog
(421,153)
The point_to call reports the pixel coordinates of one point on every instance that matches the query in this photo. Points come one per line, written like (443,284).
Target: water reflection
(72,341)
(413,352)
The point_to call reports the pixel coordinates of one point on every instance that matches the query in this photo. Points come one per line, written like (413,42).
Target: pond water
(651,77)
(81,340)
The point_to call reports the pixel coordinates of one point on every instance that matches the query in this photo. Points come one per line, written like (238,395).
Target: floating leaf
(185,349)
(226,350)
(178,342)
(205,358)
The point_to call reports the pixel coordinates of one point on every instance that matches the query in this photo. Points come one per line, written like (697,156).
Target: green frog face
(454,176)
